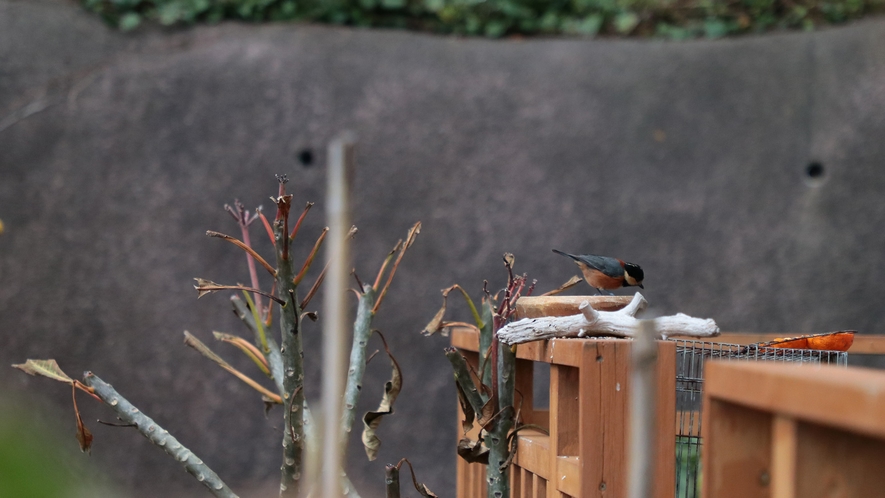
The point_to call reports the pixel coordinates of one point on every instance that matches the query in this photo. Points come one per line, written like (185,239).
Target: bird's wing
(610,266)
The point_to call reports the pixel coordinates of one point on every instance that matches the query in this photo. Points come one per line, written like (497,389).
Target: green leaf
(715,28)
(46,368)
(625,22)
(129,21)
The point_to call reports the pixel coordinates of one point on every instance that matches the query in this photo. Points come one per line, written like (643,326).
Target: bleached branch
(590,322)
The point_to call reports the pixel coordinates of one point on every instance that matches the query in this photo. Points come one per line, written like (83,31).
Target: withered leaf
(84,437)
(437,324)
(488,411)
(466,409)
(46,368)
(473,451)
(509,259)
(422,488)
(371,420)
(575,280)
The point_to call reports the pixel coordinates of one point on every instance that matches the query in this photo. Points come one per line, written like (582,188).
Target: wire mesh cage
(690,359)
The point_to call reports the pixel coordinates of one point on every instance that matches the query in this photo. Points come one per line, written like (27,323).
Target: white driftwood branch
(590,322)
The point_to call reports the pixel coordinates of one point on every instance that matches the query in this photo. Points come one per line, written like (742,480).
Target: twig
(207,287)
(159,436)
(362,330)
(245,247)
(313,253)
(197,344)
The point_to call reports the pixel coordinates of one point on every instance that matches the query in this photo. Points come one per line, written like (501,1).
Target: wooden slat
(465,339)
(534,307)
(863,343)
(568,475)
(737,451)
(665,419)
(591,422)
(837,463)
(615,402)
(564,418)
(540,487)
(854,400)
(533,452)
(783,457)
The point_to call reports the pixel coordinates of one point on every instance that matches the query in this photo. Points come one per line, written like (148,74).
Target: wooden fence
(787,431)
(584,454)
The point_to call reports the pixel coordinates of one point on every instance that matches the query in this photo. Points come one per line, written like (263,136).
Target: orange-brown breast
(600,280)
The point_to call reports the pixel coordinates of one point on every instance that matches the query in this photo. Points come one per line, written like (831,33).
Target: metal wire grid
(690,358)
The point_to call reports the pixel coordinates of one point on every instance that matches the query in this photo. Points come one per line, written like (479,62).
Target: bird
(603,272)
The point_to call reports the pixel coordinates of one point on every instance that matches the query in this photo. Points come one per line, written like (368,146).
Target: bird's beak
(640,286)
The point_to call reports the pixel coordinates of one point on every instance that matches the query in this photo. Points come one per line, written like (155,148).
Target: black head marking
(634,271)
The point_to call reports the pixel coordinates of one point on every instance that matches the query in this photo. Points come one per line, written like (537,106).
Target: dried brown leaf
(575,280)
(473,451)
(422,489)
(509,259)
(84,437)
(436,324)
(466,409)
(371,420)
(488,412)
(46,368)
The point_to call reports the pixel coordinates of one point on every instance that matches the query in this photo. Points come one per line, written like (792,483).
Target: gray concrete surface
(118,151)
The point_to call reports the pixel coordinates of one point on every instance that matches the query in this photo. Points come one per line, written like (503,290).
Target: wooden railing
(793,431)
(585,453)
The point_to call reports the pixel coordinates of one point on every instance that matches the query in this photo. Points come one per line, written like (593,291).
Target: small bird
(602,272)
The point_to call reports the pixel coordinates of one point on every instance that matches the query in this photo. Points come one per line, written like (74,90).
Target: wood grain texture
(534,307)
(737,451)
(850,398)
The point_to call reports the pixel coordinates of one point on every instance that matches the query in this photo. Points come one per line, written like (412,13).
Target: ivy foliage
(675,19)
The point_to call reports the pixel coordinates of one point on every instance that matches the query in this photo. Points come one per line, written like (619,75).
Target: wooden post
(341,159)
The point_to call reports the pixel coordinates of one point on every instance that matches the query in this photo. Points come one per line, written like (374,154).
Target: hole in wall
(305,157)
(815,174)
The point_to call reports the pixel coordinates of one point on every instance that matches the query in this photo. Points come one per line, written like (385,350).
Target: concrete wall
(118,151)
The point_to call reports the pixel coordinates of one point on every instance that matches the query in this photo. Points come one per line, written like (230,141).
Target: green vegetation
(676,19)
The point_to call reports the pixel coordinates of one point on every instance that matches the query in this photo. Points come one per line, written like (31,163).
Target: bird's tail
(557,251)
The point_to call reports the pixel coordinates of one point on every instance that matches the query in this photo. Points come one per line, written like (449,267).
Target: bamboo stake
(642,410)
(341,158)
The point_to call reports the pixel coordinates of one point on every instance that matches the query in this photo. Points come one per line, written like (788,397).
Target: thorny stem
(159,436)
(391,476)
(362,330)
(292,352)
(503,362)
(241,215)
